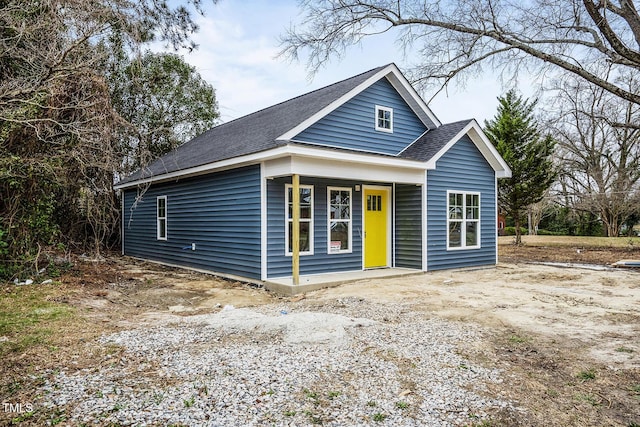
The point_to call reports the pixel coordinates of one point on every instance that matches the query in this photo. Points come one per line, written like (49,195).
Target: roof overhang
(399,82)
(338,164)
(486,148)
(310,161)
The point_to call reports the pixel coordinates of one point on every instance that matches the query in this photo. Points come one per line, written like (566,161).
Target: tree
(59,149)
(514,132)
(165,101)
(600,158)
(456,38)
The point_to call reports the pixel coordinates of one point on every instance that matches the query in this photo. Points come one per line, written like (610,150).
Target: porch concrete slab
(308,283)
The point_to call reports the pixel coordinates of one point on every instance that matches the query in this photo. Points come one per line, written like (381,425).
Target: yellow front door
(375,228)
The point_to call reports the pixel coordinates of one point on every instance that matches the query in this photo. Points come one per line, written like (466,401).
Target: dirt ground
(568,339)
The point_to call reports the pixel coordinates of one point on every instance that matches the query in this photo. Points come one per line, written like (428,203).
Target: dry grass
(573,249)
(586,242)
(45,328)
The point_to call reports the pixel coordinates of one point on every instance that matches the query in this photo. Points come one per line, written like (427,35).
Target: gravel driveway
(349,361)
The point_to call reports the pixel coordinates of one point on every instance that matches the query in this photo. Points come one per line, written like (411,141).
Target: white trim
(353,149)
(165,217)
(496,219)
(263,223)
(395,77)
(411,96)
(393,225)
(463,229)
(274,153)
(338,169)
(389,235)
(377,126)
(425,222)
(372,159)
(483,144)
(329,220)
(286,221)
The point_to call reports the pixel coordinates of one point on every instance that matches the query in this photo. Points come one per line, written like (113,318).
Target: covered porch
(359,215)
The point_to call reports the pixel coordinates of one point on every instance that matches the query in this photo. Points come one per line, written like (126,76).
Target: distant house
(501,223)
(382,183)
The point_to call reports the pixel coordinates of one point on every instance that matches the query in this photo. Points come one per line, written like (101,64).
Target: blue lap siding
(219,212)
(352,125)
(279,265)
(408,236)
(462,168)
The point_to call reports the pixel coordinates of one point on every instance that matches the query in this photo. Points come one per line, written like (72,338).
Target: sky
(238,55)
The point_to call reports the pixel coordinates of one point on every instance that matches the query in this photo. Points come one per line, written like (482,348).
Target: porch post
(295,256)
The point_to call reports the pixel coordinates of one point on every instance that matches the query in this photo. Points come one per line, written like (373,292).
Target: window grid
(463,220)
(384,119)
(161,218)
(306,219)
(374,203)
(339,214)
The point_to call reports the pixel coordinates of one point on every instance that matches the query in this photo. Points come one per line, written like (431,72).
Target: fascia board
(199,170)
(483,144)
(411,96)
(355,157)
(274,153)
(399,79)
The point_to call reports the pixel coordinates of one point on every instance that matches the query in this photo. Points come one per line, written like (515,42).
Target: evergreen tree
(514,131)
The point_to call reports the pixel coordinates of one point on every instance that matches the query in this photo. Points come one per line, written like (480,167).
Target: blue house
(382,184)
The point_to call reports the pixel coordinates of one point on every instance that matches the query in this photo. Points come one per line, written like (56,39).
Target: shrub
(511,231)
(543,232)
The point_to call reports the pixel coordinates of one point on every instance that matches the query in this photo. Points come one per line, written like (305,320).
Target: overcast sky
(237,54)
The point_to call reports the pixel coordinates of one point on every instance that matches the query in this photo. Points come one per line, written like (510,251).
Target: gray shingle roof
(432,141)
(249,134)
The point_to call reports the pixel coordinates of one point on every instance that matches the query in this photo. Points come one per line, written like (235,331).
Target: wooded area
(81,104)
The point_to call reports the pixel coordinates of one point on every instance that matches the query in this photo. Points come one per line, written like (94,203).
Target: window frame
(288,220)
(377,126)
(349,221)
(160,218)
(464,221)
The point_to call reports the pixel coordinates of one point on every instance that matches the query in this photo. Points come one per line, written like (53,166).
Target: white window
(306,219)
(463,222)
(384,119)
(339,220)
(161,217)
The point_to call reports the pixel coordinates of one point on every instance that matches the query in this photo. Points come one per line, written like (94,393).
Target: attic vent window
(384,119)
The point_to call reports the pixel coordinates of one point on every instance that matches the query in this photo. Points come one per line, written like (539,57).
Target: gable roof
(263,132)
(268,128)
(434,143)
(399,82)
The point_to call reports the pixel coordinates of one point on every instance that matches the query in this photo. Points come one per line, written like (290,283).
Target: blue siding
(219,212)
(279,265)
(408,226)
(352,125)
(462,168)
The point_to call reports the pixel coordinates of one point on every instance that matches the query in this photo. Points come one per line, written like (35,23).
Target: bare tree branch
(455,38)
